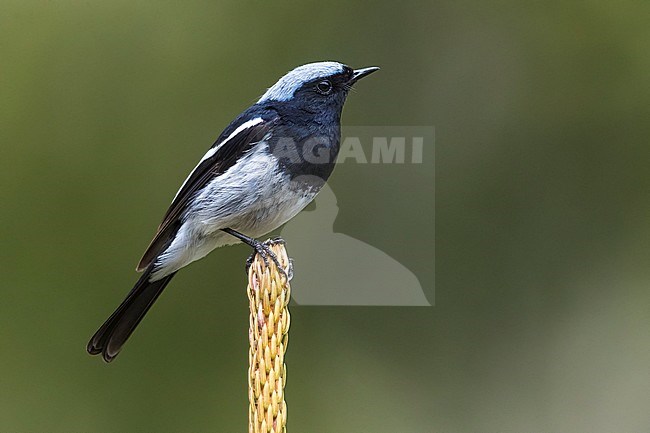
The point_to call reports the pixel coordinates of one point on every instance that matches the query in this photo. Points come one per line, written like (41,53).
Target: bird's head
(316,86)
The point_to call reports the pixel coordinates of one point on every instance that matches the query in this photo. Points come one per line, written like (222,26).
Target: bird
(261,171)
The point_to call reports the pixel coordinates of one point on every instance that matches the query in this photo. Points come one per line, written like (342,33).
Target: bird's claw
(265,252)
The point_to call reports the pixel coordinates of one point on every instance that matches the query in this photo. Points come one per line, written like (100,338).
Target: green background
(542,198)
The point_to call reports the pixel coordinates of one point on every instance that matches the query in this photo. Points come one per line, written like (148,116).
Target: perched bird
(264,168)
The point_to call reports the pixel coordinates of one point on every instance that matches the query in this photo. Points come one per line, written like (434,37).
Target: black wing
(237,139)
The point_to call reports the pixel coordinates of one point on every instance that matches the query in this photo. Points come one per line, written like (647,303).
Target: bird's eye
(324,87)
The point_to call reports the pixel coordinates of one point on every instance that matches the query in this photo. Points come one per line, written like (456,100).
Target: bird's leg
(261,248)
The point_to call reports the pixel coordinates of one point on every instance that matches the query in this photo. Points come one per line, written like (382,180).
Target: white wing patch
(244,126)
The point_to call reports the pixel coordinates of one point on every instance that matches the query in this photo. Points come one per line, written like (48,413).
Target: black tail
(109,339)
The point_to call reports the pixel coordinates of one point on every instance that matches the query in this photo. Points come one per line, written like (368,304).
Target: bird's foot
(265,252)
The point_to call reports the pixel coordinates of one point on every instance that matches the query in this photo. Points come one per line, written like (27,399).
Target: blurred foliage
(541,237)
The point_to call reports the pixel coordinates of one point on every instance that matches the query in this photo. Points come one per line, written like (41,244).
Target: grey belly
(197,237)
(254,201)
(274,211)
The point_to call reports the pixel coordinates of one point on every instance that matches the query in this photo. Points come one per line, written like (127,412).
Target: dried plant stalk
(268,295)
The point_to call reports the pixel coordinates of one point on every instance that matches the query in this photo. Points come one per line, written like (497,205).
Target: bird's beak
(360,73)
